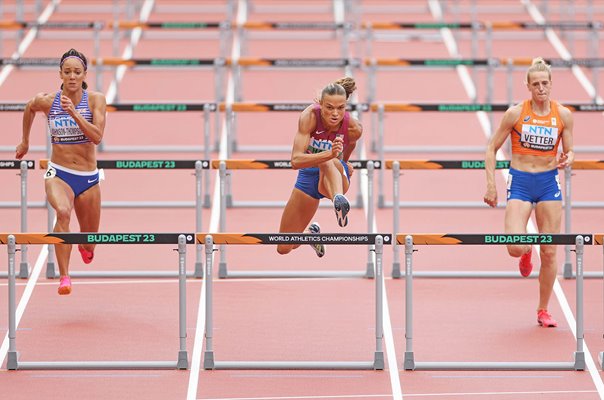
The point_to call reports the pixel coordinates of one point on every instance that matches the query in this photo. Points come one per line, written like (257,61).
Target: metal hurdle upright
(379,240)
(11,240)
(198,165)
(23,166)
(409,240)
(224,165)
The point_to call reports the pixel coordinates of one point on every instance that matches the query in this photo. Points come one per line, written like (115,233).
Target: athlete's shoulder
(308,120)
(562,109)
(513,112)
(96,99)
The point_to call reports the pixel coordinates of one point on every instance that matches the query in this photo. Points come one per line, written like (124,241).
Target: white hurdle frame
(13,362)
(409,362)
(379,240)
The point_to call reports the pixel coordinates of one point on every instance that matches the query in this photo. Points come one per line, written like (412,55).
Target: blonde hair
(343,86)
(538,65)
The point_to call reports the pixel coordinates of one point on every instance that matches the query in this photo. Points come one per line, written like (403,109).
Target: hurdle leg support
(409,361)
(12,360)
(378,361)
(183,360)
(208,360)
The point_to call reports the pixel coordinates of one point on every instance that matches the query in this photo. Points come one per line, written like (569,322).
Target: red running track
(296,319)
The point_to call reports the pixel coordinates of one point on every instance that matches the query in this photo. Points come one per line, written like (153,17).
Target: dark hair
(343,86)
(73,53)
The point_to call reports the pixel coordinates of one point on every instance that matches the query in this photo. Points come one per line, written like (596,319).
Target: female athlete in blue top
(76,122)
(326,138)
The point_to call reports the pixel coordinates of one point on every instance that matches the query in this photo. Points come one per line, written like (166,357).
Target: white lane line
(196,355)
(560,296)
(395,383)
(31,35)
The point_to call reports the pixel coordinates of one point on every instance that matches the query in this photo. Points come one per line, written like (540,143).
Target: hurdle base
(23,270)
(369,271)
(568,270)
(579,361)
(293,274)
(12,361)
(494,366)
(208,360)
(378,361)
(396,270)
(408,361)
(50,270)
(95,365)
(198,271)
(601,360)
(183,360)
(296,365)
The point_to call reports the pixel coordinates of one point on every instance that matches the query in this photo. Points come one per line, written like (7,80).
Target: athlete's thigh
(88,209)
(59,193)
(549,216)
(517,214)
(298,212)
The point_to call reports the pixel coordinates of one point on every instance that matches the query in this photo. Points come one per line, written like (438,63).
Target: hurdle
(396,165)
(223,272)
(379,240)
(409,240)
(11,240)
(22,166)
(198,165)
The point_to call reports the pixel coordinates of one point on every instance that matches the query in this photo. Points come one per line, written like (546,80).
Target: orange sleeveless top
(537,135)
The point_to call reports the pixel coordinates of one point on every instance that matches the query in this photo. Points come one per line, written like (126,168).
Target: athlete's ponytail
(343,86)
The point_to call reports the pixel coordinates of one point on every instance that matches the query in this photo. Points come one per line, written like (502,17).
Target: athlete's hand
(337,147)
(21,150)
(566,159)
(67,105)
(490,197)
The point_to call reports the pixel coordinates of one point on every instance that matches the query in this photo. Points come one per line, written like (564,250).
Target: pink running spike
(545,319)
(65,285)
